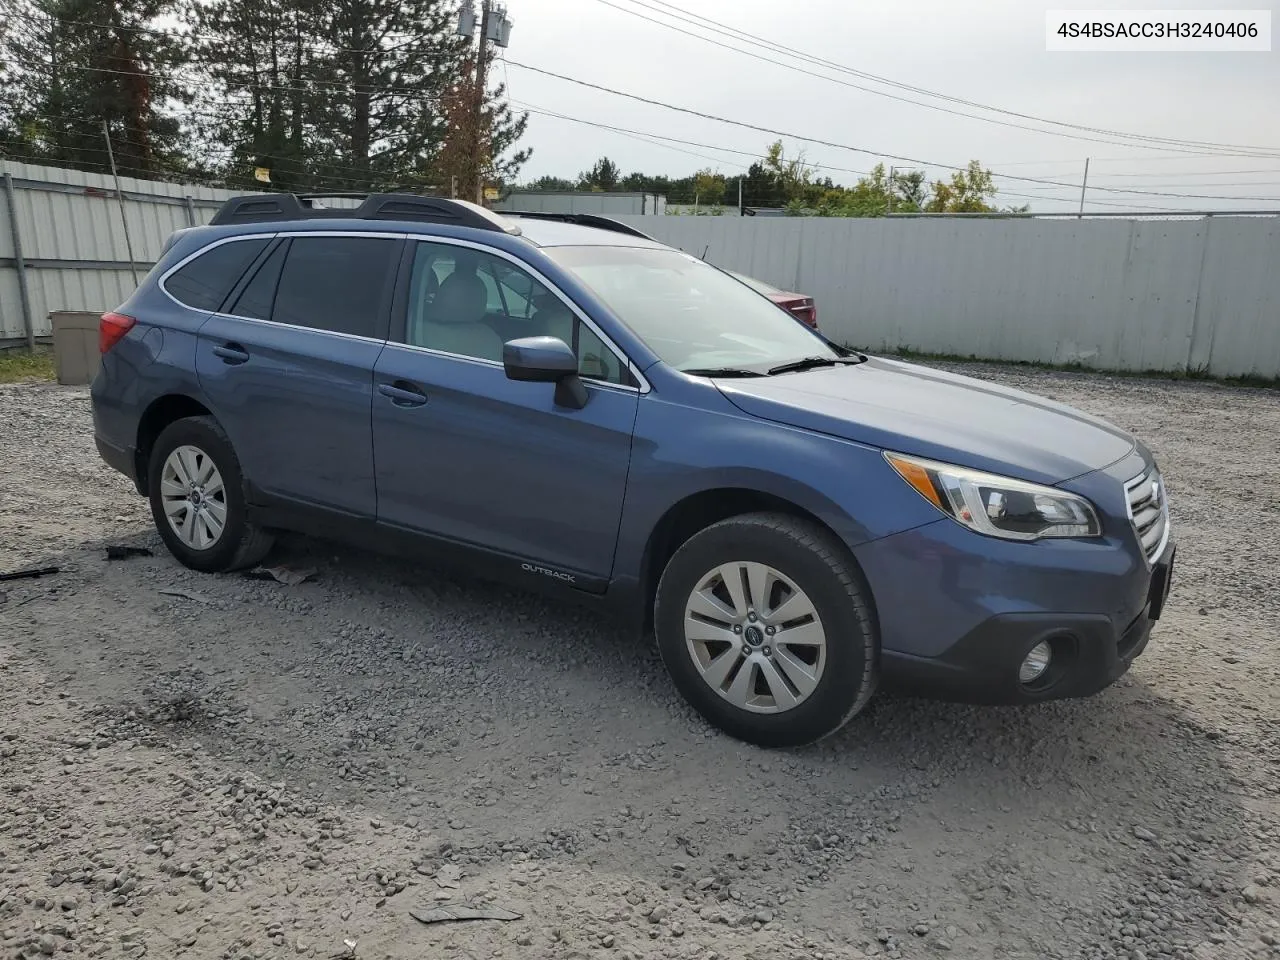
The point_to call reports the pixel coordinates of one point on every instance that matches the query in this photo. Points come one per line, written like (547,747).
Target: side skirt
(366,533)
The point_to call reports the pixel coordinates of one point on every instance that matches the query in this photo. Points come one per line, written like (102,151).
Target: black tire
(818,564)
(241,544)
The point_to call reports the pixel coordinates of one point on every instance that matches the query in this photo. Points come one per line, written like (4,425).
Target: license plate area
(1161,581)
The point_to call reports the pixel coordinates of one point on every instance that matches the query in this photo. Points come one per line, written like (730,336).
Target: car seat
(454,319)
(425,286)
(554,319)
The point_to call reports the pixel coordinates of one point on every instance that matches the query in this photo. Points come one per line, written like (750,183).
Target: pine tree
(258,109)
(78,63)
(387,74)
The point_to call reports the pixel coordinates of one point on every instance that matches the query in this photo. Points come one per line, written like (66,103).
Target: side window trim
(250,272)
(400,295)
(400,315)
(232,304)
(163,282)
(387,314)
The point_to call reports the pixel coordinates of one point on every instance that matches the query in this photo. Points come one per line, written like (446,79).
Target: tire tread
(254,542)
(820,542)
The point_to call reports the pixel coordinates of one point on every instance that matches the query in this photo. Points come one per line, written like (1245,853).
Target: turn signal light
(111,328)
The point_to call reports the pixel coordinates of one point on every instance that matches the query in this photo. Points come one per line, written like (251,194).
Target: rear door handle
(403,393)
(231,353)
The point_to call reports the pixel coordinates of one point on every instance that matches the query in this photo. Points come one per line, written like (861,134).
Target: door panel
(288,368)
(496,463)
(297,410)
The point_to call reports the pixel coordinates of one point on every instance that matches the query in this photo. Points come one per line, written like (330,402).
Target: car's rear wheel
(197,498)
(766,627)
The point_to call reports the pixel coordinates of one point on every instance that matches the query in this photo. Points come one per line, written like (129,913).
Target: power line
(196,34)
(227,182)
(228,148)
(361,174)
(685,15)
(151,174)
(794,136)
(195,81)
(844,146)
(1243,183)
(871,90)
(861,173)
(1194,173)
(656,137)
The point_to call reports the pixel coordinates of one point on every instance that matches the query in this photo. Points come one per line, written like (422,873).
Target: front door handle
(403,393)
(231,353)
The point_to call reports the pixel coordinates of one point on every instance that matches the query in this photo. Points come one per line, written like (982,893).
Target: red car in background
(798,304)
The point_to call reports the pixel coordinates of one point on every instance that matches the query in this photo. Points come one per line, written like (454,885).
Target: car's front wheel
(197,498)
(765,625)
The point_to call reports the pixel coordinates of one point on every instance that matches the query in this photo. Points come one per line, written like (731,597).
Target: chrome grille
(1149,511)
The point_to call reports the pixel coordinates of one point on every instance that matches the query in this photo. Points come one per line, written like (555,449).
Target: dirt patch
(262,770)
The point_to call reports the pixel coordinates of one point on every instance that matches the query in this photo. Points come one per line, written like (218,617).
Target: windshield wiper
(722,372)
(809,363)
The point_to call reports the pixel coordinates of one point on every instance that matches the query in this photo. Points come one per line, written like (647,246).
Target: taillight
(807,312)
(111,328)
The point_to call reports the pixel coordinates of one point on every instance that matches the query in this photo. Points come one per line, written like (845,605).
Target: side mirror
(546,360)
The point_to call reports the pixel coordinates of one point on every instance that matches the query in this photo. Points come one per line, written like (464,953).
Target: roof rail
(273,207)
(584,220)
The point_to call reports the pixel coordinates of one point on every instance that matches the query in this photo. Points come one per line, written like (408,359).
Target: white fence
(70,241)
(1119,294)
(582,201)
(1143,294)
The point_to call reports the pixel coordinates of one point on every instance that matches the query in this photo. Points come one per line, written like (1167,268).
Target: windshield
(693,316)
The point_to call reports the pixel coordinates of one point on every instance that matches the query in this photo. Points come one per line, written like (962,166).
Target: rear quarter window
(203,283)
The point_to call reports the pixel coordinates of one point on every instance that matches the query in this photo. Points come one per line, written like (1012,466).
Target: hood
(943,416)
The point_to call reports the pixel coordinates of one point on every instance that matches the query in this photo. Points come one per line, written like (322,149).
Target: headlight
(998,506)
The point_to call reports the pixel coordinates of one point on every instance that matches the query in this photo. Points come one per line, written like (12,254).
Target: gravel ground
(261,770)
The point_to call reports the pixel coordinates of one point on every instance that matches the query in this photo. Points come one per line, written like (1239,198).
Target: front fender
(684,448)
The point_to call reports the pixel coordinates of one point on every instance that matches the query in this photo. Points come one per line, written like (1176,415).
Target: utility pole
(889,199)
(740,213)
(481,146)
(1083,186)
(494,26)
(128,244)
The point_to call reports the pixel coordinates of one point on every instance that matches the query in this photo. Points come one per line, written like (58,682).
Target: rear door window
(337,284)
(259,294)
(204,282)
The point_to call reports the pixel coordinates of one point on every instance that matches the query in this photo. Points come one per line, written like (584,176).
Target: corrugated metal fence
(1117,294)
(72,242)
(1120,294)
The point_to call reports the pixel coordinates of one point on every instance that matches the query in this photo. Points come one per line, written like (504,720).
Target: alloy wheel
(755,637)
(194,497)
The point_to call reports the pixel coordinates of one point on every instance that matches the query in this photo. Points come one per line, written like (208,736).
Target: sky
(990,52)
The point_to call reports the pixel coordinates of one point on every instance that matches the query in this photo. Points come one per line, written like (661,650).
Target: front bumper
(1089,653)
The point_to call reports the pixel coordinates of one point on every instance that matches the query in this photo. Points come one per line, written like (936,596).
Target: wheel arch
(161,412)
(697,511)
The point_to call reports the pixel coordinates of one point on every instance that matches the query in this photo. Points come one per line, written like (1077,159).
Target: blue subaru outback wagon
(564,402)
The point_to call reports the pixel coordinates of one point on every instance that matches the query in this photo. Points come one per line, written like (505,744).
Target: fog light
(1036,663)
